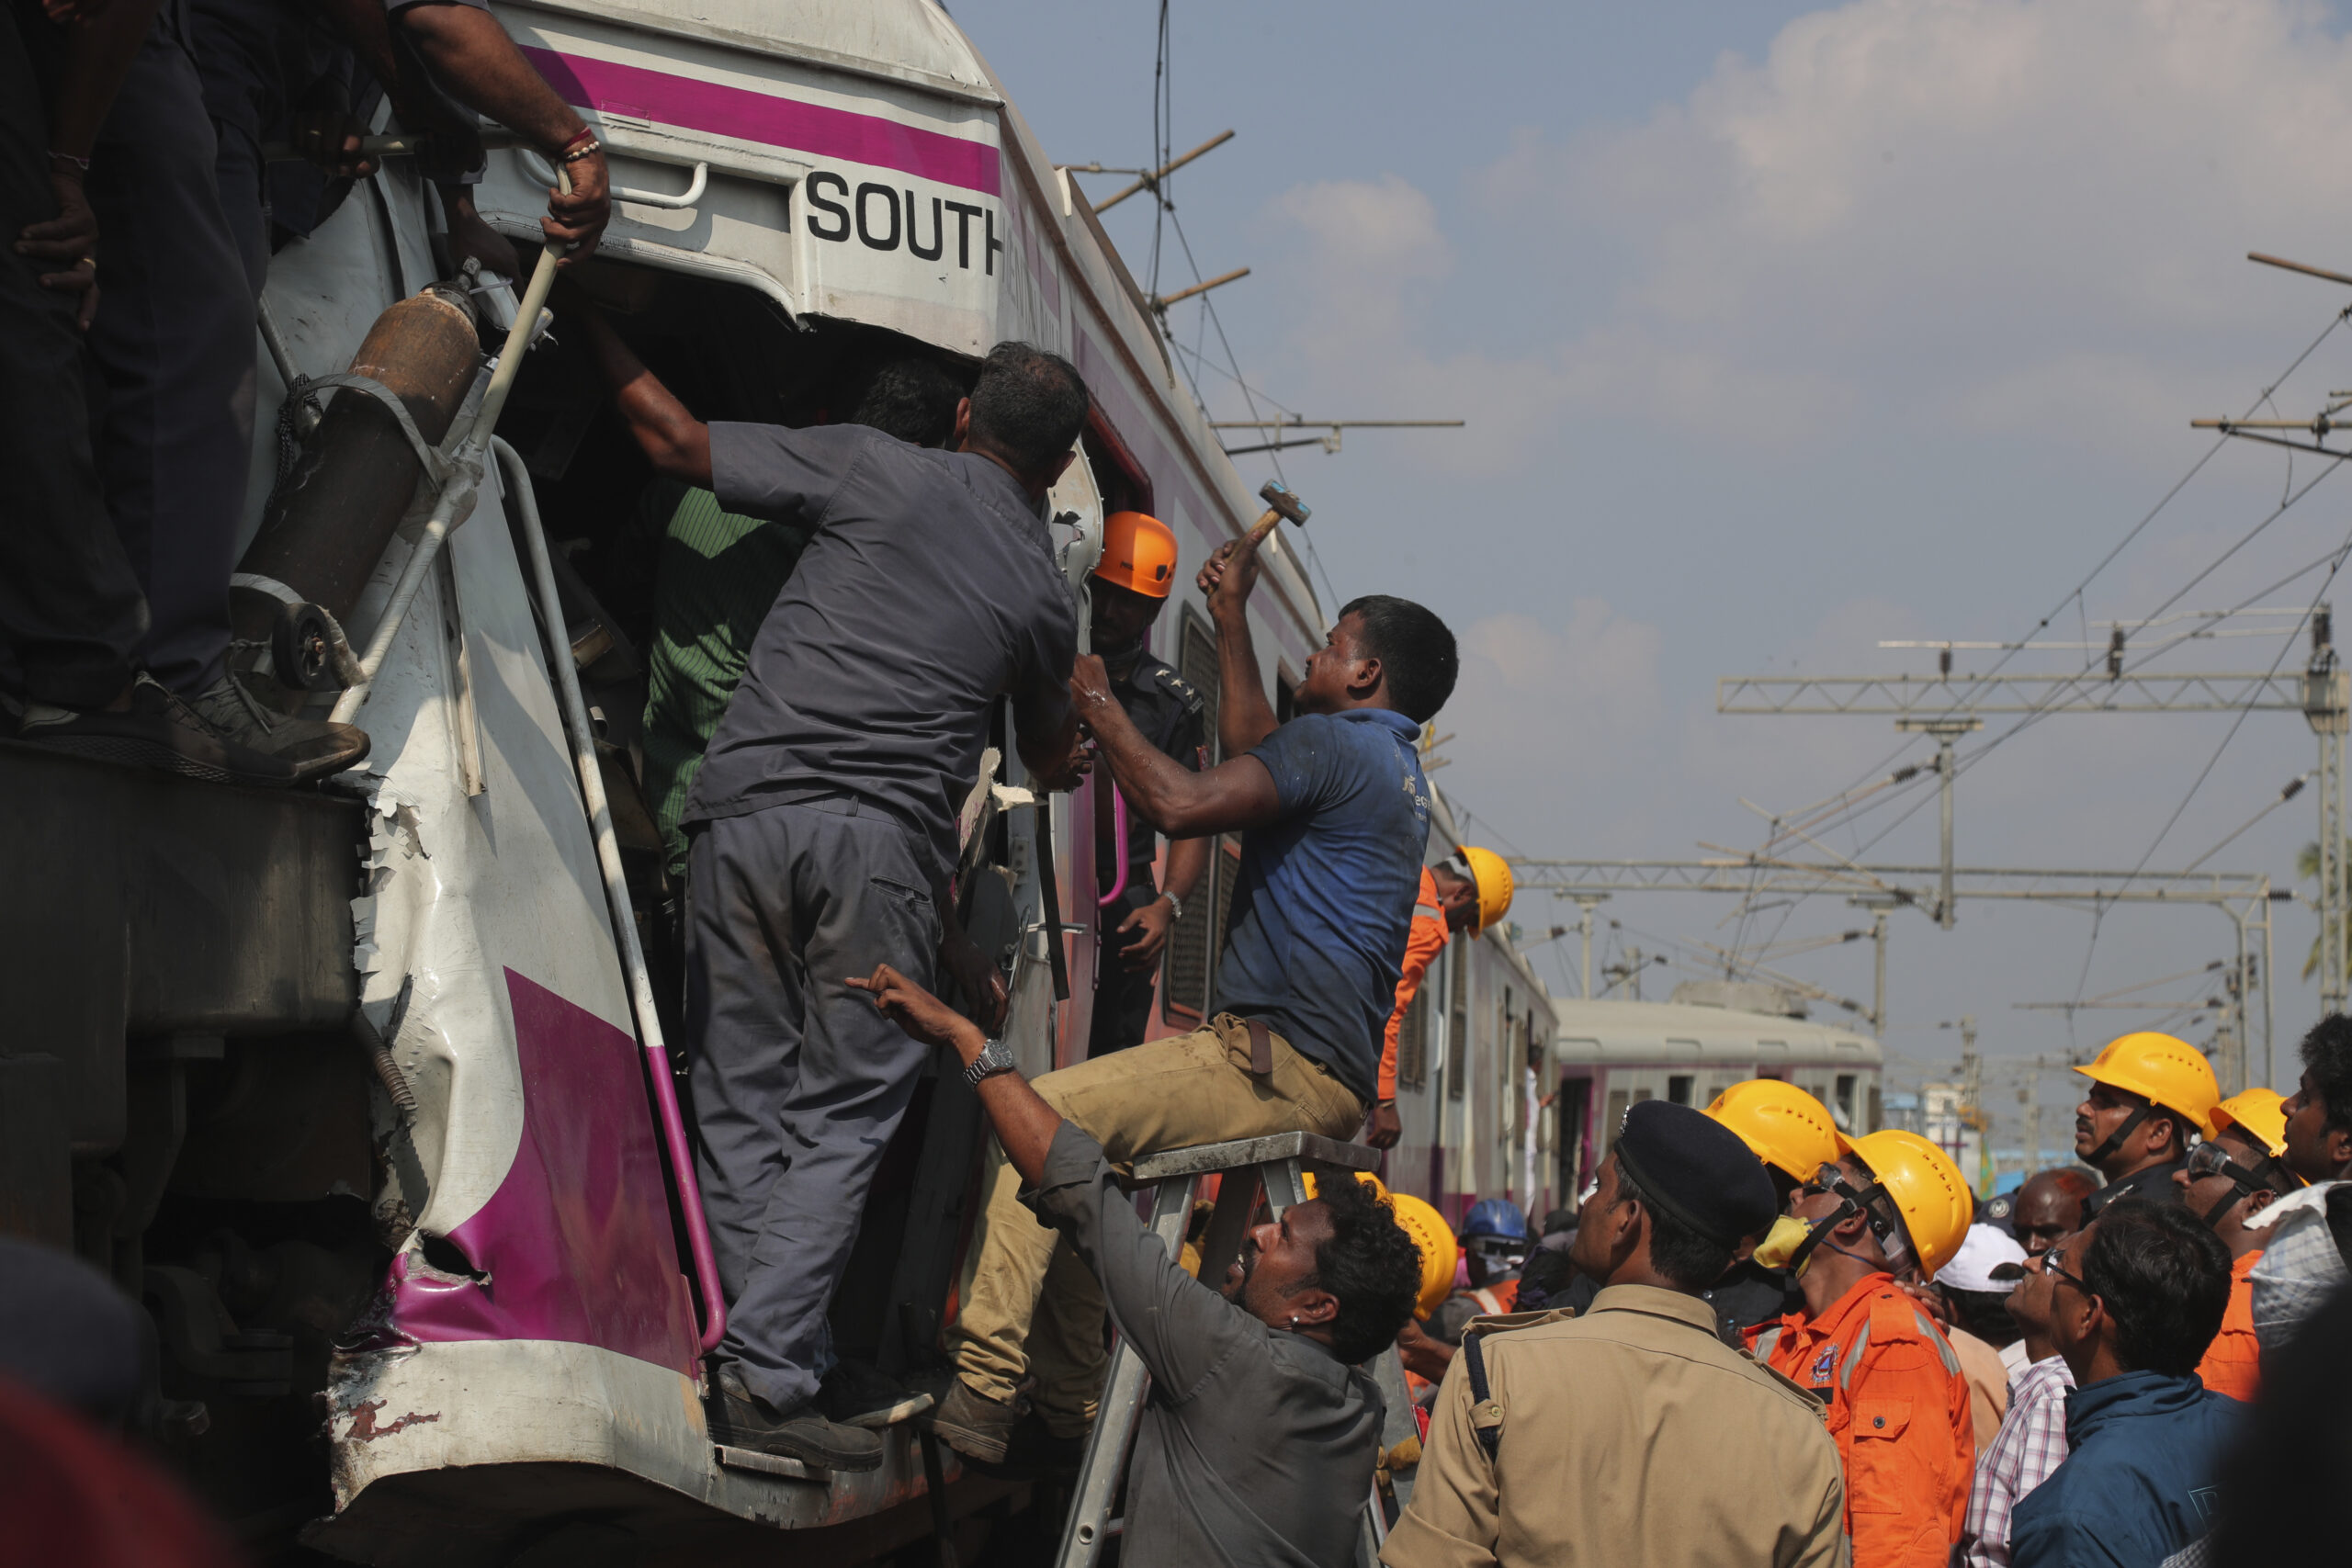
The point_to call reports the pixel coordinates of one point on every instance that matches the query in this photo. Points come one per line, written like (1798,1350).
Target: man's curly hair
(1370,1265)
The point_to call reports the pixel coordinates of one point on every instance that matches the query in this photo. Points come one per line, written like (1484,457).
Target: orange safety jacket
(1898,1407)
(2232,1363)
(1422,944)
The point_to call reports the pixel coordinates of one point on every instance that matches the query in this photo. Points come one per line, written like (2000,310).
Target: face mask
(1781,1243)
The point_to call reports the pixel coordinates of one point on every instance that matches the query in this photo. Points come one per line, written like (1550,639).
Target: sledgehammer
(1281,502)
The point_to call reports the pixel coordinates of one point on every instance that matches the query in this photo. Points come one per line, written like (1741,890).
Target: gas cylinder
(326,527)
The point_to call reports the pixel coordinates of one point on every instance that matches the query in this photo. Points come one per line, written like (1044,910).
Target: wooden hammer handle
(1265,525)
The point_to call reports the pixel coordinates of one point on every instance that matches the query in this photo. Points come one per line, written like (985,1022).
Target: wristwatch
(1175,904)
(993,1059)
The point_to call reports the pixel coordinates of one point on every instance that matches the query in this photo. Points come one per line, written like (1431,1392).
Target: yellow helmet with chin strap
(1926,1189)
(1493,877)
(1785,1127)
(2161,1069)
(2259,1113)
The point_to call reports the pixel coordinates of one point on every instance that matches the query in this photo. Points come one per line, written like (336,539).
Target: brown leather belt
(1261,1049)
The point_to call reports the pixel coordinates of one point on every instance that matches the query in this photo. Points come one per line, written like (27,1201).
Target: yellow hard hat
(1493,877)
(1379,1187)
(1439,1250)
(2259,1113)
(1927,1190)
(1139,554)
(2162,1070)
(1783,1124)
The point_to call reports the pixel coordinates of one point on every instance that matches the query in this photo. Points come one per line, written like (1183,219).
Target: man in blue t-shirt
(1334,814)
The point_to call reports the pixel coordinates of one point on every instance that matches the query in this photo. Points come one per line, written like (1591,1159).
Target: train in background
(1506,1090)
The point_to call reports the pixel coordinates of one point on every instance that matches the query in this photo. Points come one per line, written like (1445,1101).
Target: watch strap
(993,1059)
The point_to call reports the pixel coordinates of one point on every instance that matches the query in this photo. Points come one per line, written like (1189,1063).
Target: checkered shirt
(2030,1444)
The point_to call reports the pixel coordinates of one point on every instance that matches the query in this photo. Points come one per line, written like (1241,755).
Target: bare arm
(1188,860)
(674,440)
(99,52)
(472,57)
(1024,1123)
(1225,799)
(1244,716)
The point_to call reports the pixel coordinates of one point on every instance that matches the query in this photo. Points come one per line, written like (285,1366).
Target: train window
(1285,698)
(1845,1101)
(1126,487)
(1616,1122)
(1457,1020)
(1576,1109)
(1679,1087)
(1192,945)
(1878,1111)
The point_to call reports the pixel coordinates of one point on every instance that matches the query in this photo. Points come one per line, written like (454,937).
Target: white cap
(1984,1249)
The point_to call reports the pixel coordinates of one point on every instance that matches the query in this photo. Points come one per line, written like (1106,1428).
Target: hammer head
(1279,497)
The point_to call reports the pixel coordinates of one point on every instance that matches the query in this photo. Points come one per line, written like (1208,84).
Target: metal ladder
(1273,1166)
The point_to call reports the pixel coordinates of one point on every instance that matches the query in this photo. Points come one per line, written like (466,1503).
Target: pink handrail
(1118,844)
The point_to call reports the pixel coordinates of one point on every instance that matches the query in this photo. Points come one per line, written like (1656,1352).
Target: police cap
(1698,1170)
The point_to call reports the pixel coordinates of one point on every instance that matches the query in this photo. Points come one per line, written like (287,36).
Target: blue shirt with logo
(1315,940)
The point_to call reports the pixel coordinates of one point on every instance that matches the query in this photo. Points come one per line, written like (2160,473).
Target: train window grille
(1413,1042)
(1457,1020)
(1192,945)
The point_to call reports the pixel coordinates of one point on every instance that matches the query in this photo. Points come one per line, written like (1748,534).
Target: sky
(1781,332)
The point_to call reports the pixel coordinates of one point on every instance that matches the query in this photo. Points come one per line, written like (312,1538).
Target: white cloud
(1991,214)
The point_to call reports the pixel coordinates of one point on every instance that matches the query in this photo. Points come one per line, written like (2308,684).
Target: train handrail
(1118,845)
(608,861)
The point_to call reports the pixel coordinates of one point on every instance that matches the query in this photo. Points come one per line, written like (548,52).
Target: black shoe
(158,730)
(738,1420)
(315,747)
(858,1394)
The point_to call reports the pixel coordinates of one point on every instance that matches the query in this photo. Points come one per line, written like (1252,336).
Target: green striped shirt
(718,575)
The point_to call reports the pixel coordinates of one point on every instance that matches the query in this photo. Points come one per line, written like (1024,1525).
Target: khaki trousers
(1030,1307)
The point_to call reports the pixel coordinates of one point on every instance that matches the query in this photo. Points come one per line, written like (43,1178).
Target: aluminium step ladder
(1273,1167)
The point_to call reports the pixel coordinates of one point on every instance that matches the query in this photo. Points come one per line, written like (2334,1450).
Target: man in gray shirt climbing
(1258,1443)
(822,826)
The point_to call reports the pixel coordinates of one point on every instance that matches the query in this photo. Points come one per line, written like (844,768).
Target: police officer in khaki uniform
(1632,1436)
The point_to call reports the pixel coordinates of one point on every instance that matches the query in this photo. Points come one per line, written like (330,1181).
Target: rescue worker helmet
(2162,1070)
(1927,1191)
(2260,1114)
(1782,1124)
(1495,1217)
(1434,1239)
(1139,554)
(1493,879)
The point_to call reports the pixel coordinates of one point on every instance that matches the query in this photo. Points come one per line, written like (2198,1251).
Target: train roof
(1629,1032)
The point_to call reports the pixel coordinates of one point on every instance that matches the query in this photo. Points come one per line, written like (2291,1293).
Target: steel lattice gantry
(1946,706)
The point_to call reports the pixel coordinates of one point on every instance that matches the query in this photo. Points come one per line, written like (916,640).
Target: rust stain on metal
(363,1422)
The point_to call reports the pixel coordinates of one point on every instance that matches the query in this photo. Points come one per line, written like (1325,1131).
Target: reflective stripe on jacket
(1898,1407)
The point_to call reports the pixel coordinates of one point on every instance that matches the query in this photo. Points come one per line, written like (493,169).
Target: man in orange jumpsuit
(1449,902)
(2228,1179)
(1893,1206)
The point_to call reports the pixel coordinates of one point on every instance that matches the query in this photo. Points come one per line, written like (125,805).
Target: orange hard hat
(1139,554)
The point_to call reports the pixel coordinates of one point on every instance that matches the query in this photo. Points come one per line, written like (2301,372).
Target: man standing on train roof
(1333,813)
(1129,588)
(1892,1207)
(2150,1097)
(1631,1435)
(1448,901)
(822,826)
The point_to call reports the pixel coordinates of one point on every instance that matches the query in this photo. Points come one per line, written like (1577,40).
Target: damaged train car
(363,1090)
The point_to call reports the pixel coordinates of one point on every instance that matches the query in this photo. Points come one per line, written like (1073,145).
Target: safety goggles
(2212,1158)
(1830,1181)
